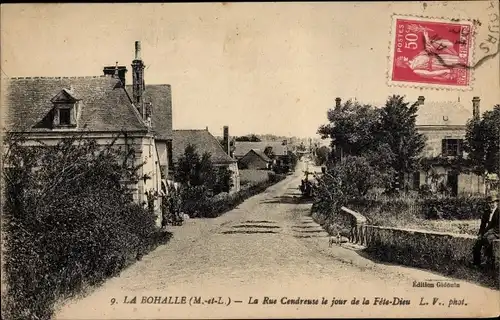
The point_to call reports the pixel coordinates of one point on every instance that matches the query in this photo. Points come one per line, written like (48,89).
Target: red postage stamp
(431,53)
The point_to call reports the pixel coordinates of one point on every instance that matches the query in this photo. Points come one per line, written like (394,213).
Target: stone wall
(444,252)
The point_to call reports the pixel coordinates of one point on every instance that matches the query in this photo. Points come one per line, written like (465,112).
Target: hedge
(69,223)
(216,206)
(461,208)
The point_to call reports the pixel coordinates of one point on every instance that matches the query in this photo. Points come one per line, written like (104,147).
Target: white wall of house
(146,153)
(161,146)
(151,168)
(435,135)
(235,176)
(467,183)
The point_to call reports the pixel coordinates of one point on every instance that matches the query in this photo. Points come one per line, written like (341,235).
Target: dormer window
(65,116)
(65,109)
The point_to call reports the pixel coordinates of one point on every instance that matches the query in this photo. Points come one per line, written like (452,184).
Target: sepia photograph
(234,160)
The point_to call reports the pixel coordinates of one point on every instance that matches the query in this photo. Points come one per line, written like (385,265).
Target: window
(64,116)
(452,147)
(65,109)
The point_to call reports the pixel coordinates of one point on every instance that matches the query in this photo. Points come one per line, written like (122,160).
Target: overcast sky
(257,67)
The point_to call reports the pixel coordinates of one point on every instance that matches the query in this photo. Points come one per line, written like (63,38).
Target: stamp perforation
(422,85)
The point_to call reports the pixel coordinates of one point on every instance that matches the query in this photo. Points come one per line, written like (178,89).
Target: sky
(257,67)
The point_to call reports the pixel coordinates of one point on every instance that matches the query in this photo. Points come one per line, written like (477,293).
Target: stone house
(48,109)
(255,159)
(204,142)
(278,148)
(444,126)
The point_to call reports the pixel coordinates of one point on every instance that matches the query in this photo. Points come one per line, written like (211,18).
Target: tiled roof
(203,140)
(160,95)
(261,154)
(243,147)
(104,105)
(442,114)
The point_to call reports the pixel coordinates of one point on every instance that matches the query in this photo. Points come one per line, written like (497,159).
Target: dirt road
(270,247)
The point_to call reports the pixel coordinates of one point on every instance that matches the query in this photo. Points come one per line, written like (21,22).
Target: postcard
(250,160)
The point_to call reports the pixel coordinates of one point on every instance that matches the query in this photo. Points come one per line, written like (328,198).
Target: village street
(268,246)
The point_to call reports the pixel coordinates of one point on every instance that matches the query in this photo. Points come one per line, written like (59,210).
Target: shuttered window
(452,147)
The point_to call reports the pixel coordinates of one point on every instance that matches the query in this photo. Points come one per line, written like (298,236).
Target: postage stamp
(431,53)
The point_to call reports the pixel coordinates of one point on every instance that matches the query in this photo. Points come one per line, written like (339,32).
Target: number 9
(113,300)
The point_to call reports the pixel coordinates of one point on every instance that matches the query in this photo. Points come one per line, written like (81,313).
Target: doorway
(452,183)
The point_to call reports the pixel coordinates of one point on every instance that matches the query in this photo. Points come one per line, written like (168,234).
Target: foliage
(69,221)
(398,131)
(301,147)
(200,180)
(250,137)
(194,199)
(214,207)
(198,172)
(482,141)
(352,127)
(460,208)
(386,137)
(322,155)
(171,204)
(193,170)
(248,176)
(223,181)
(349,179)
(293,158)
(268,151)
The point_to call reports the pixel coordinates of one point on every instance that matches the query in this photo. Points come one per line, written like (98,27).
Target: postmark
(431,53)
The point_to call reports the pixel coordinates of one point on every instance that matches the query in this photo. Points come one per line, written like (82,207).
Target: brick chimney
(116,71)
(476,112)
(226,141)
(138,85)
(420,100)
(337,103)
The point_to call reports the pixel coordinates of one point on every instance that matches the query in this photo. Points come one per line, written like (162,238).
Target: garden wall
(443,252)
(439,251)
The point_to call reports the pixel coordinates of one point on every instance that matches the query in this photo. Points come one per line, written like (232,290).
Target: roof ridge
(62,77)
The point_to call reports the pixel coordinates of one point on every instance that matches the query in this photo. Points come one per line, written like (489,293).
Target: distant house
(444,125)
(277,149)
(255,159)
(48,109)
(204,141)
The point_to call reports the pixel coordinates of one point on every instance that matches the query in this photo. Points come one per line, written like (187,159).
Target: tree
(352,128)
(322,155)
(483,140)
(195,171)
(346,180)
(268,151)
(223,181)
(186,171)
(399,133)
(250,138)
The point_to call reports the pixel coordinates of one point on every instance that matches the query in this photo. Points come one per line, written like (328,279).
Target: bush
(248,176)
(387,212)
(214,207)
(461,208)
(69,222)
